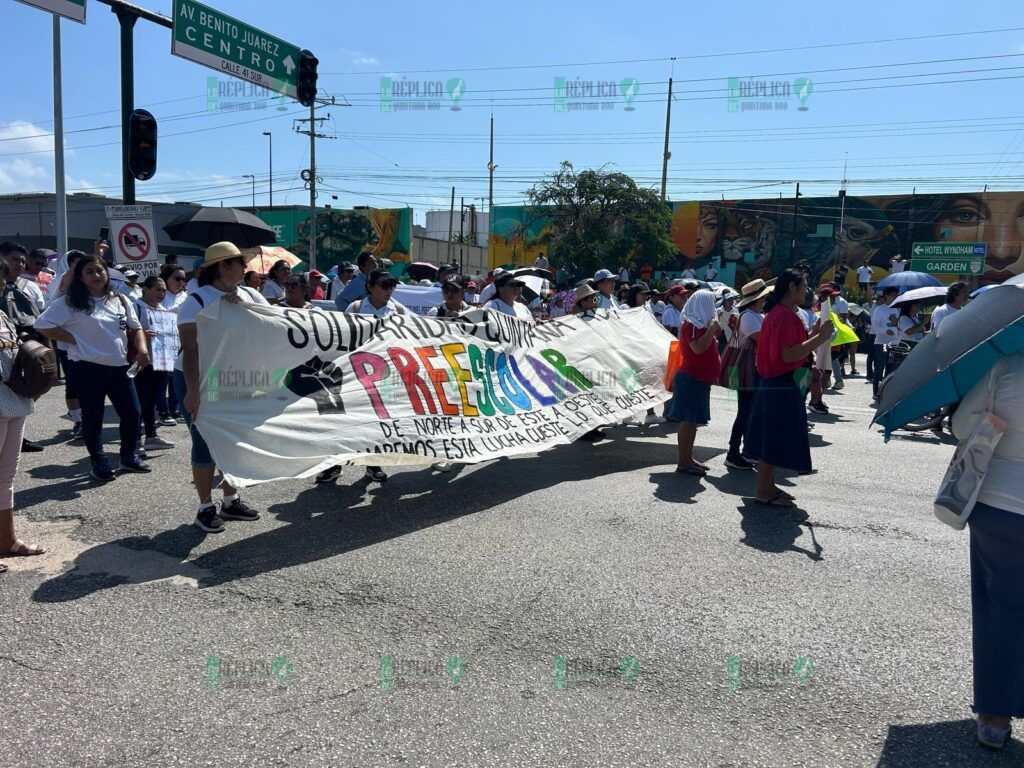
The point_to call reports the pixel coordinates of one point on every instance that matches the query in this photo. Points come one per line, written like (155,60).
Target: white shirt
(271,290)
(941,313)
(173,301)
(904,324)
(690,273)
(882,324)
(606,302)
(750,322)
(723,320)
(31,289)
(541,263)
(898,265)
(864,274)
(191,286)
(364,307)
(657,308)
(671,317)
(191,308)
(101,336)
(1005,476)
(807,317)
(624,275)
(710,273)
(840,306)
(518,310)
(337,286)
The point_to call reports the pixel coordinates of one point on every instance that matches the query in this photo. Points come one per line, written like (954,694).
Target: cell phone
(104,232)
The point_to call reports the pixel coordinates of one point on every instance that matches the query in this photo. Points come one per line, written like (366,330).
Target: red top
(704,367)
(782,328)
(316,292)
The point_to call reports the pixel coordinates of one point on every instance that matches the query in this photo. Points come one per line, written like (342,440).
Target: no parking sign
(133,238)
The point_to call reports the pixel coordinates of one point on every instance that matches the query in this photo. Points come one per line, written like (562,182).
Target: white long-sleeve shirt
(882,325)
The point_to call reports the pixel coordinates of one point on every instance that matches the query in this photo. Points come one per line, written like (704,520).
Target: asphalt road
(585,607)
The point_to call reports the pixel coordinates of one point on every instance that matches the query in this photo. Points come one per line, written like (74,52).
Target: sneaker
(76,430)
(208,520)
(141,452)
(239,510)
(329,475)
(817,407)
(653,418)
(736,461)
(992,736)
(441,466)
(376,474)
(134,464)
(101,471)
(839,384)
(167,421)
(156,442)
(177,416)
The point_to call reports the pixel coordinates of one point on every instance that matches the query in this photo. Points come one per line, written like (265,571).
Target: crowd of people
(778,345)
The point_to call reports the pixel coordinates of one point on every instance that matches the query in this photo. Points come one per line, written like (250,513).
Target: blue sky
(956,135)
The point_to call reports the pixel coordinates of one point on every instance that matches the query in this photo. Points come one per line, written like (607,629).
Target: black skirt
(777,431)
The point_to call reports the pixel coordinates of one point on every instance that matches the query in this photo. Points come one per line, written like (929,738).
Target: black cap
(508,280)
(380,276)
(347,266)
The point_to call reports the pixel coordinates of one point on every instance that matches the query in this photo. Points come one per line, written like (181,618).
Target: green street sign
(207,36)
(949,250)
(68,9)
(949,266)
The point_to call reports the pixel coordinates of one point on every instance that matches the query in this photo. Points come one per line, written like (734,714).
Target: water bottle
(133,370)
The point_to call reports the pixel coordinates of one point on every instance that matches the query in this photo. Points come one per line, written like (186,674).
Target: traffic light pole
(312,186)
(127,21)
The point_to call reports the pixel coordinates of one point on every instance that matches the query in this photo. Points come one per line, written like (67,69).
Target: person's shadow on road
(327,521)
(776,529)
(938,745)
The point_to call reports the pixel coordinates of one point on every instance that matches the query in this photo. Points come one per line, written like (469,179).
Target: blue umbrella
(907,281)
(944,367)
(981,290)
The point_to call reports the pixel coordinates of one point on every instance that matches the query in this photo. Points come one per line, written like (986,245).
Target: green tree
(596,219)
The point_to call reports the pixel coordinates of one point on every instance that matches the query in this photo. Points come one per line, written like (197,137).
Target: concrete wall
(473,257)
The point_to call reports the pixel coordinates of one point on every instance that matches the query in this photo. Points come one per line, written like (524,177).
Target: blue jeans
(881,359)
(95,383)
(201,456)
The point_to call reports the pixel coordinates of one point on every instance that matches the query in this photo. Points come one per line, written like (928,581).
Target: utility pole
(59,199)
(462,227)
(309,175)
(666,155)
(270,136)
(796,214)
(490,173)
(842,215)
(451,222)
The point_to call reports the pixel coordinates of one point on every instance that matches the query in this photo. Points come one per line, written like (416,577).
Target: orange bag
(675,359)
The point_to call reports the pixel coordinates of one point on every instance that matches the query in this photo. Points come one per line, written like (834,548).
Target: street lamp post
(250,176)
(270,136)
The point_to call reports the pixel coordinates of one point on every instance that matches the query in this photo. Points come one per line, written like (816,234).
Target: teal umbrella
(944,367)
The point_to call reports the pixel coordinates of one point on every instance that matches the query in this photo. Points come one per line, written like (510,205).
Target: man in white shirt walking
(956,298)
(883,326)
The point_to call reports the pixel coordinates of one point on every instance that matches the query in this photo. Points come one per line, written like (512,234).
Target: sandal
(19,545)
(778,500)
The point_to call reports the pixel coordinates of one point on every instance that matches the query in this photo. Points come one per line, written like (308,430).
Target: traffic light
(307,78)
(141,144)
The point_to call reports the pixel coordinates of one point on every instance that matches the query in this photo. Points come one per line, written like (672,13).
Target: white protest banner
(418,299)
(324,388)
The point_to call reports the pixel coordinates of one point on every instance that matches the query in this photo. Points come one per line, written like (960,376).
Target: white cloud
(26,160)
(364,61)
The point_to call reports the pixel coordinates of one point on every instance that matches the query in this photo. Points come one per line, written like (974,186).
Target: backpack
(35,367)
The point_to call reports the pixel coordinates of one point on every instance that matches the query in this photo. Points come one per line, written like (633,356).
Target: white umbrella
(921,295)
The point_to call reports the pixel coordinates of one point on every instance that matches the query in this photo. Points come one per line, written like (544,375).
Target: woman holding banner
(453,305)
(507,298)
(777,432)
(219,275)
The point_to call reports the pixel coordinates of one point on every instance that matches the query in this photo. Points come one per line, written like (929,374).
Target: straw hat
(583,292)
(220,252)
(753,291)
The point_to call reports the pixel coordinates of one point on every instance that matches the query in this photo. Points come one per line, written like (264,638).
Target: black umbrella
(207,226)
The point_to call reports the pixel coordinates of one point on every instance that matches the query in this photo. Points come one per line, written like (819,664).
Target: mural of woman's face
(998,221)
(707,233)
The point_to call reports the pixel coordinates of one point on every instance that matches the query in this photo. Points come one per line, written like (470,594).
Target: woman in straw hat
(219,277)
(748,330)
